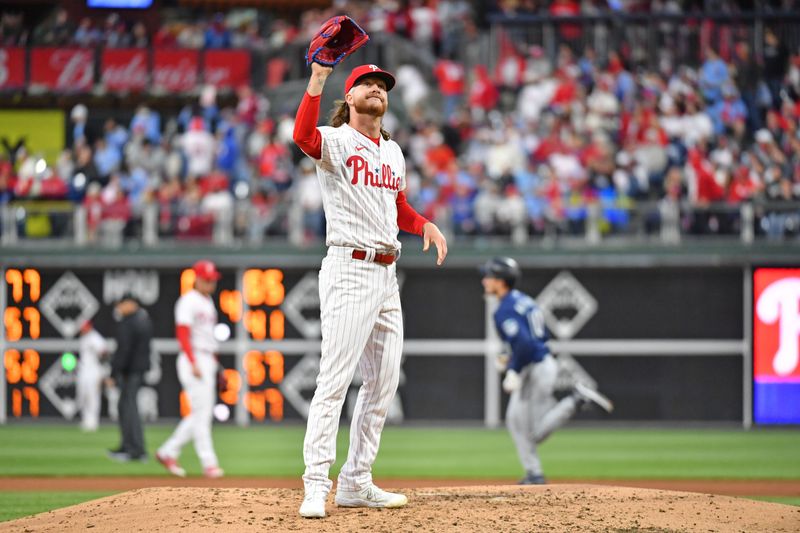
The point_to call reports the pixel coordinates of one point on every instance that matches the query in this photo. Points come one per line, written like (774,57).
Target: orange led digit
(14,278)
(186,407)
(16,403)
(276,324)
(254,367)
(275,400)
(187,280)
(13,324)
(31,314)
(34,281)
(233,384)
(275,361)
(231,304)
(32,395)
(256,323)
(17,397)
(13,367)
(256,404)
(30,366)
(253,293)
(274,290)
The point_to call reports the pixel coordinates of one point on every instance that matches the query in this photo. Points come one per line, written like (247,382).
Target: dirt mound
(550,508)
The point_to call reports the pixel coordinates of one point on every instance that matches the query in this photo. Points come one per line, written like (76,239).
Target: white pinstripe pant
(197,424)
(362,324)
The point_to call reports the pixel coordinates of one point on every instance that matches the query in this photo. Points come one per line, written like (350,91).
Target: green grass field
(450,453)
(18,504)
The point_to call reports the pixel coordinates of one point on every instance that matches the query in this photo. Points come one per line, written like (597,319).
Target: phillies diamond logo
(566,305)
(301,306)
(299,383)
(68,304)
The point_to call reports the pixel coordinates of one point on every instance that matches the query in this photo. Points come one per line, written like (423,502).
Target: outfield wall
(666,340)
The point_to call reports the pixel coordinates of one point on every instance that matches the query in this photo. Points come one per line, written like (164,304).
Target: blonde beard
(373,109)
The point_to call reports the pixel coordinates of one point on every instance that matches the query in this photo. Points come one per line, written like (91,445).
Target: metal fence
(647,40)
(665,223)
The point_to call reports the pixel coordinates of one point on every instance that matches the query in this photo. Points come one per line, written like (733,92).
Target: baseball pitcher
(533,412)
(93,349)
(195,318)
(361,173)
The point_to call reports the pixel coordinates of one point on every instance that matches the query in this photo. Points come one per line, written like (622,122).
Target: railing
(650,40)
(663,223)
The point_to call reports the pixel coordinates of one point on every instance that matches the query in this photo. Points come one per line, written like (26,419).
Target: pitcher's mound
(495,509)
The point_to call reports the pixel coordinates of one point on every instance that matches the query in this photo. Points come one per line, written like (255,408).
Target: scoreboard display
(45,308)
(271,355)
(271,358)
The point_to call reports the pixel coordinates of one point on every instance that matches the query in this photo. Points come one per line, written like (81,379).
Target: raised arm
(306,135)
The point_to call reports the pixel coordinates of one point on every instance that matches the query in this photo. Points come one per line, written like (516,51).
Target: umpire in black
(128,366)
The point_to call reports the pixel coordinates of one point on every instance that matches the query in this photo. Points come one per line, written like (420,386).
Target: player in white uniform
(92,349)
(195,318)
(362,177)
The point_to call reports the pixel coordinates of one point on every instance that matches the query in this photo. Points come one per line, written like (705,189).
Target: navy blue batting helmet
(504,268)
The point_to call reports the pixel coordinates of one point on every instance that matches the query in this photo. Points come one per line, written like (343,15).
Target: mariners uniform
(91,348)
(533,412)
(195,318)
(362,181)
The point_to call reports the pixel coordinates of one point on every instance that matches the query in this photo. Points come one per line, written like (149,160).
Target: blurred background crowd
(544,138)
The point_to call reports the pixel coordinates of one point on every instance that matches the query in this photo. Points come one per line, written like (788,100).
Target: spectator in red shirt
(483,95)
(439,156)
(742,187)
(273,166)
(7,181)
(451,84)
(94,210)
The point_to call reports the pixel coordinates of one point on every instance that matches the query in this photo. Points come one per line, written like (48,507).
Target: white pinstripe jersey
(198,312)
(360,181)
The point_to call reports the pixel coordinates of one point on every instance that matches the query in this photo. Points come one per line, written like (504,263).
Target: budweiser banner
(226,68)
(12,68)
(175,70)
(124,69)
(62,69)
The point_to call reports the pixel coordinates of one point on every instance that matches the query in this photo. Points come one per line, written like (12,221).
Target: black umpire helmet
(504,268)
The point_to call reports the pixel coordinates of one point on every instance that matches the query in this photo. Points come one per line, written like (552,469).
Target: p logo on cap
(363,71)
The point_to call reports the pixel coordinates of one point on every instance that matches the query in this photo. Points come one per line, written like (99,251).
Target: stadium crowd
(527,143)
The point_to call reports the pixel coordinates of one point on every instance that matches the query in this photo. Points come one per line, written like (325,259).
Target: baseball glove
(339,37)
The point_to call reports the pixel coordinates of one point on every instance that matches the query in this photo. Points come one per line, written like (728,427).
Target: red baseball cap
(368,70)
(205,269)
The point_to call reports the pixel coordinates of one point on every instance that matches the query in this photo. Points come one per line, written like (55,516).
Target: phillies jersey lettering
(199,314)
(360,181)
(361,173)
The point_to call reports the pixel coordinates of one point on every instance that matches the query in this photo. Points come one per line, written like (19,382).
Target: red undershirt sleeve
(183,334)
(408,219)
(306,135)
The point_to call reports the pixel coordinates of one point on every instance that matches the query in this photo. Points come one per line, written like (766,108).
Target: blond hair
(341,115)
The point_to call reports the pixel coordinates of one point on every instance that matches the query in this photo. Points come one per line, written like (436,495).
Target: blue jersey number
(534,315)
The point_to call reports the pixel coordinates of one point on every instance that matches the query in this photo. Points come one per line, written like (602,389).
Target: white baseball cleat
(171,465)
(591,395)
(213,472)
(313,506)
(369,496)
